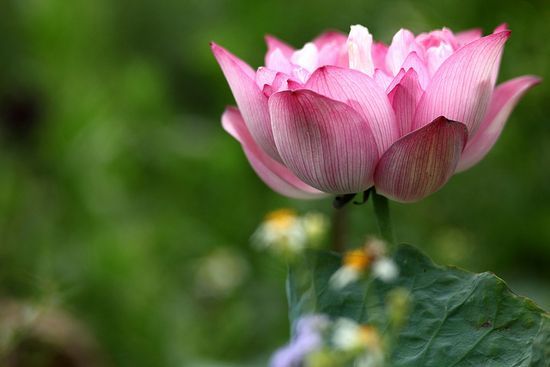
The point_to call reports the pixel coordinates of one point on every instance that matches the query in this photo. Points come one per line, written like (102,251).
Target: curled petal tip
(505,33)
(216,49)
(501,27)
(535,80)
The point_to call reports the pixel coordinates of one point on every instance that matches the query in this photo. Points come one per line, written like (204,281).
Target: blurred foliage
(117,181)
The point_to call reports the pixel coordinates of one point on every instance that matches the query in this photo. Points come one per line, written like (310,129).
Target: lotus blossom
(346,113)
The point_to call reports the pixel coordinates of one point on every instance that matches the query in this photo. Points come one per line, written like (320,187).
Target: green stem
(382,212)
(339,229)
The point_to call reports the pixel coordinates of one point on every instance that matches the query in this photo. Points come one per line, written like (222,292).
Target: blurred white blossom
(220,273)
(385,269)
(358,262)
(364,341)
(350,336)
(285,233)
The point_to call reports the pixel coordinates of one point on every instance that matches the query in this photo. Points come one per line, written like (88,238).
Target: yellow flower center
(281,219)
(369,337)
(357,259)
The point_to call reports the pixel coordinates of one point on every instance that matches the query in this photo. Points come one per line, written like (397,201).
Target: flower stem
(382,212)
(339,229)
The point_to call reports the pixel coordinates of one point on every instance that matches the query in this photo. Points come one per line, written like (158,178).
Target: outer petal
(275,175)
(404,98)
(505,98)
(461,88)
(250,99)
(421,162)
(501,28)
(324,142)
(363,94)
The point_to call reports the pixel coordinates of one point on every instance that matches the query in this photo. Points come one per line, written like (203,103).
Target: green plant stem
(339,229)
(382,212)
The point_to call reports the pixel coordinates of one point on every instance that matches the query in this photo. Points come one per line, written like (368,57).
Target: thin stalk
(382,213)
(339,229)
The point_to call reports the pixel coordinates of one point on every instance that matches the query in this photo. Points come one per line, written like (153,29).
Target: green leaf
(456,318)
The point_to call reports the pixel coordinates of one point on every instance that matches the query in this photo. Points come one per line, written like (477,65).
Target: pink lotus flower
(343,114)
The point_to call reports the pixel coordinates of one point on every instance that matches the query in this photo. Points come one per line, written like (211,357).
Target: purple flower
(308,337)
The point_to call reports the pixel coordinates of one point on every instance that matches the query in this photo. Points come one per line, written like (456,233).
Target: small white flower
(344,276)
(315,226)
(385,269)
(285,233)
(351,336)
(220,273)
(346,335)
(354,264)
(282,232)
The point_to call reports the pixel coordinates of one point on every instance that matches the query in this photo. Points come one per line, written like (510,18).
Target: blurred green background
(118,185)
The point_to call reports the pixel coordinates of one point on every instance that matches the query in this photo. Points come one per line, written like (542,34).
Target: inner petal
(307,57)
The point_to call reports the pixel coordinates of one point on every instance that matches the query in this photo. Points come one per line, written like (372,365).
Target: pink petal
(281,82)
(403,43)
(501,28)
(330,37)
(324,142)
(307,57)
(461,88)
(382,79)
(379,51)
(250,99)
(275,175)
(468,36)
(404,98)
(505,98)
(273,43)
(332,48)
(396,80)
(437,37)
(276,60)
(421,162)
(413,61)
(265,76)
(363,94)
(435,56)
(360,50)
(333,54)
